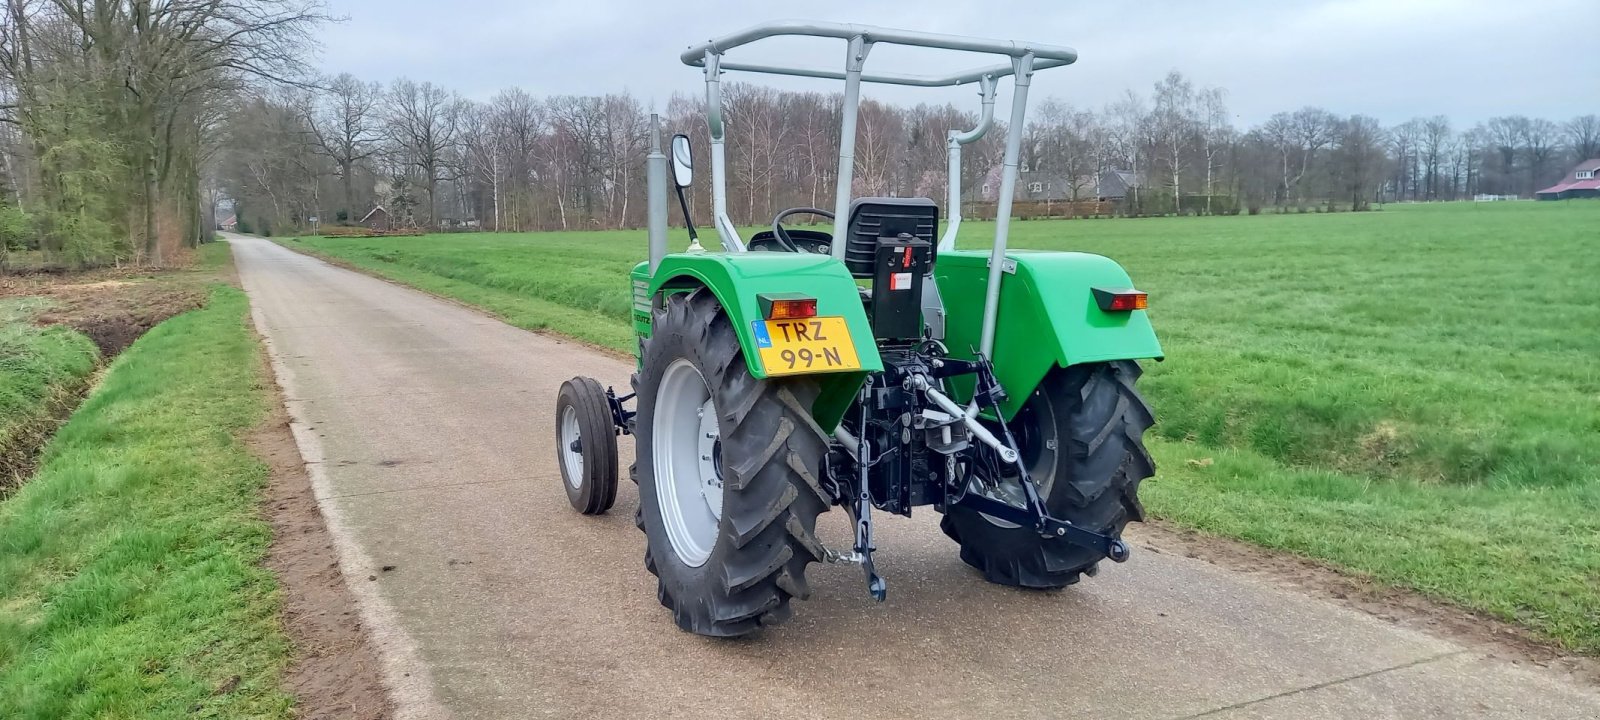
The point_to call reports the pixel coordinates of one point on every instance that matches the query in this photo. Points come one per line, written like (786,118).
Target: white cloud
(1393,59)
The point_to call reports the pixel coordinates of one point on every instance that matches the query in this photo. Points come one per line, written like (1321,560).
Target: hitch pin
(982,433)
(830,555)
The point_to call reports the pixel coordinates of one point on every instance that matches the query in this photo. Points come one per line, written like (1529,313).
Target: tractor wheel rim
(1037,434)
(686,459)
(571,459)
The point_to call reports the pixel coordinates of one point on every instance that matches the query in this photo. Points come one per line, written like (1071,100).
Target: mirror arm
(688,222)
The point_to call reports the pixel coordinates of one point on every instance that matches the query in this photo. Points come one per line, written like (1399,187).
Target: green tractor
(874,367)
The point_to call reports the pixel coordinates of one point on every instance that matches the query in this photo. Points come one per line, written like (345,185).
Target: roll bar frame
(1024,59)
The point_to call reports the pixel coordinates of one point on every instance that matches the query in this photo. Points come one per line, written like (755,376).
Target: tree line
(110,110)
(516,162)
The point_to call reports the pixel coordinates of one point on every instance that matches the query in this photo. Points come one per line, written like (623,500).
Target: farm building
(377,219)
(1582,182)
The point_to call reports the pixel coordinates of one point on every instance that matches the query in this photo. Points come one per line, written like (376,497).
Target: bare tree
(1358,159)
(1129,130)
(1298,136)
(1216,136)
(1506,136)
(421,121)
(344,124)
(1583,137)
(1175,125)
(1404,141)
(1435,143)
(1541,139)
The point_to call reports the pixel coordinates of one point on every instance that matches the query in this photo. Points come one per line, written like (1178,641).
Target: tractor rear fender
(1048,316)
(738,279)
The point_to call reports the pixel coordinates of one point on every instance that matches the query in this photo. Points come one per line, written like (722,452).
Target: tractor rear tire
(769,452)
(1089,478)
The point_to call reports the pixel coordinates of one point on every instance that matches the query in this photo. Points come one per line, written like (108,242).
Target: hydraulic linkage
(1035,515)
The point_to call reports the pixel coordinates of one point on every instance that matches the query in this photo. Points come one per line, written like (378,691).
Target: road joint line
(1327,684)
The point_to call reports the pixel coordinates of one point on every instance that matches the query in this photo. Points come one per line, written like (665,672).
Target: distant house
(377,219)
(1582,182)
(229,223)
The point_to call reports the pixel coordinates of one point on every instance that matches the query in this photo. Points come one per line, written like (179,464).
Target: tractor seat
(873,218)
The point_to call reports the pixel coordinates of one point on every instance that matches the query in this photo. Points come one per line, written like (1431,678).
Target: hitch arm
(1035,515)
(862,515)
(1111,547)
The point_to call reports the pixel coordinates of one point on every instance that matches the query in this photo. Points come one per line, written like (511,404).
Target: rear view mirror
(682,161)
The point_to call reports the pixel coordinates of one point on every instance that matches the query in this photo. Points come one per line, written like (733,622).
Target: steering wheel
(783,235)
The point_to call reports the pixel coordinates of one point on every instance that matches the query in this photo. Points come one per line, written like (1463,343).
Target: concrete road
(428,428)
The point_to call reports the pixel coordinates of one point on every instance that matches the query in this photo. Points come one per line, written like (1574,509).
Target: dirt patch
(113,306)
(114,314)
(335,672)
(1409,609)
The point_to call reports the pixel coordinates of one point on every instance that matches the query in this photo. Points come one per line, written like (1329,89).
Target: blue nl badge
(763,340)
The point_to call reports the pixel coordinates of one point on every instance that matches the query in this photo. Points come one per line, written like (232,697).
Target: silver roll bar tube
(1008,186)
(1046,56)
(952,211)
(855,58)
(719,157)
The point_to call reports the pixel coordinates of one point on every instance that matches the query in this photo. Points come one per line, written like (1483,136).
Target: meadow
(1409,394)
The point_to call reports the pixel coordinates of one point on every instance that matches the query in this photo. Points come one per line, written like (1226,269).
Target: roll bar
(1045,56)
(1024,58)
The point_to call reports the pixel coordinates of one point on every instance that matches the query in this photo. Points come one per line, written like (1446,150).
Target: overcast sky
(1393,59)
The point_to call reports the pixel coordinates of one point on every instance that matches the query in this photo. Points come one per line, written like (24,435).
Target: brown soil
(116,313)
(1406,608)
(335,672)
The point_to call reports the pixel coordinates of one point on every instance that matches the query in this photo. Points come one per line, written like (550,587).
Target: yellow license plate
(811,345)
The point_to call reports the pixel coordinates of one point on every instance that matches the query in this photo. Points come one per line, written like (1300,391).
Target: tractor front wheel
(1081,436)
(586,445)
(727,473)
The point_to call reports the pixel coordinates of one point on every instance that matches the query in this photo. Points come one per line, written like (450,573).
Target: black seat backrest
(873,218)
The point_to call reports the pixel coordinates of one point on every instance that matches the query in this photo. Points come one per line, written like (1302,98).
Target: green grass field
(131,578)
(1410,394)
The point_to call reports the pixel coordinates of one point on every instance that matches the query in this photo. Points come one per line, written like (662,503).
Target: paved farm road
(429,429)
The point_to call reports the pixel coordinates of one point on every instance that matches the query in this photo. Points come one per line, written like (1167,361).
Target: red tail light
(1121,300)
(787,306)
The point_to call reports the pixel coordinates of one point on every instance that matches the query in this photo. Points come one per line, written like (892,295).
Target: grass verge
(131,582)
(42,371)
(1409,395)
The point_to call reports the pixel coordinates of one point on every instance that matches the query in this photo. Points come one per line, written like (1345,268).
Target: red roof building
(1582,182)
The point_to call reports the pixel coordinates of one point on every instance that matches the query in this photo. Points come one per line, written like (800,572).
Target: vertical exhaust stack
(952,212)
(656,195)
